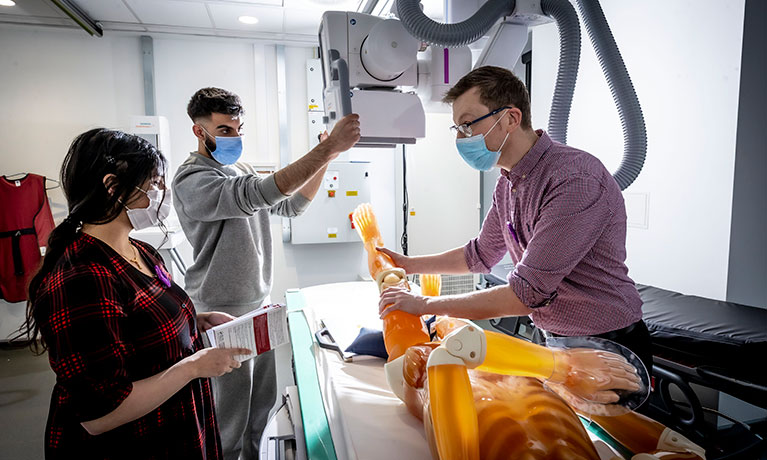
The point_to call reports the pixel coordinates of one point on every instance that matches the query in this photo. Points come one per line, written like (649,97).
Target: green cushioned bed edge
(319,442)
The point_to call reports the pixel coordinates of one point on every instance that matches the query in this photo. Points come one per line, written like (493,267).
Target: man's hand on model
(345,134)
(397,298)
(401,261)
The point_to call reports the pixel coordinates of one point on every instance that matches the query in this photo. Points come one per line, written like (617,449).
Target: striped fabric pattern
(561,216)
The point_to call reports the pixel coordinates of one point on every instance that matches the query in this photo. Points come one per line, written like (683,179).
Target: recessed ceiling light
(7,3)
(248,19)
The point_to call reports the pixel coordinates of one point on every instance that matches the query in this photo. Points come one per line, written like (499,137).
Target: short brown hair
(207,101)
(498,87)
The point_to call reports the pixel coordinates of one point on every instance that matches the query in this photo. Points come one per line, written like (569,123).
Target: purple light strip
(447,66)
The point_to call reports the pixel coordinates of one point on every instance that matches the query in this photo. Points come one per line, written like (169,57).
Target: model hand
(214,362)
(403,262)
(345,134)
(399,298)
(207,320)
(594,375)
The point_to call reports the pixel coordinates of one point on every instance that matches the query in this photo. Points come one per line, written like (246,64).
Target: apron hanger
(57,183)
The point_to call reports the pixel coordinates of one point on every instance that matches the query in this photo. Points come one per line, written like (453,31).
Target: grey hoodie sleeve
(291,207)
(206,195)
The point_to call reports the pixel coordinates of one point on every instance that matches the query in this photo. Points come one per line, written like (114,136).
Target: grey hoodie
(224,212)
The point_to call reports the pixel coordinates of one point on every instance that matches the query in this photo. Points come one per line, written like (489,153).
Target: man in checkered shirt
(556,210)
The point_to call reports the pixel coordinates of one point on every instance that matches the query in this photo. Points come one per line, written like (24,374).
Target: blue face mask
(475,153)
(228,149)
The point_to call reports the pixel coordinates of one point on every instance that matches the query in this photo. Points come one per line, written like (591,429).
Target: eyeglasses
(465,128)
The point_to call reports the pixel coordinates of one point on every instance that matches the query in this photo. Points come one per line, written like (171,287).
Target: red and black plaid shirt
(107,325)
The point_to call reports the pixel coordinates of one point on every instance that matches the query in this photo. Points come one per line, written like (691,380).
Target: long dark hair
(92,155)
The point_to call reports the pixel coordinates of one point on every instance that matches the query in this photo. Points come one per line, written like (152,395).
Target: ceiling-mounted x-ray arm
(533,12)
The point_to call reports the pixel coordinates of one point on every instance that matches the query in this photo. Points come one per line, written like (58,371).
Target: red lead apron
(25,223)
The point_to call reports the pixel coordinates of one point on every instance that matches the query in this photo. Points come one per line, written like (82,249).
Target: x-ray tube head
(388,50)
(376,89)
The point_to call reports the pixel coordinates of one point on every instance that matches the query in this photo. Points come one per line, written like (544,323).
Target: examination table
(341,406)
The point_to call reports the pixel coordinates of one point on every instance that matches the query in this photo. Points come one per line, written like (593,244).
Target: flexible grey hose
(632,120)
(470,30)
(451,35)
(423,28)
(569,57)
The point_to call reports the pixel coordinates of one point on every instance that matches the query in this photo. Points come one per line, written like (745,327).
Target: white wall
(184,65)
(443,190)
(54,85)
(684,60)
(59,83)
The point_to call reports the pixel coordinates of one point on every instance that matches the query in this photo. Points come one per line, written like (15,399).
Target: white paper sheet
(261,330)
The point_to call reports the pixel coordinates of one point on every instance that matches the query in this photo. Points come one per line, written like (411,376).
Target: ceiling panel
(302,21)
(323,5)
(202,17)
(124,27)
(270,19)
(171,12)
(107,10)
(249,2)
(40,8)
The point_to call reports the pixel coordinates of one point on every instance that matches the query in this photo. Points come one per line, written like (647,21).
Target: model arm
(495,302)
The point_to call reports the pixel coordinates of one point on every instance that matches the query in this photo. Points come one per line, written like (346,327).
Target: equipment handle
(340,73)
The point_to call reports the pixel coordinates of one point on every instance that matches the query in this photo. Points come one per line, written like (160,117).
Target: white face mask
(158,210)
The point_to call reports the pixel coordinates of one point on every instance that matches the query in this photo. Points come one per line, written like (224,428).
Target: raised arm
(345,134)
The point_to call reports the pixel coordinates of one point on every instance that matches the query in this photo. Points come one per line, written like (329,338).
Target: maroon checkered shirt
(108,325)
(560,215)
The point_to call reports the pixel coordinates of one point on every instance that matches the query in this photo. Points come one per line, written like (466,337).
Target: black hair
(93,155)
(207,101)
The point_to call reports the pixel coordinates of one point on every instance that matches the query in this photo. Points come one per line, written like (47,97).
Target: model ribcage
(517,417)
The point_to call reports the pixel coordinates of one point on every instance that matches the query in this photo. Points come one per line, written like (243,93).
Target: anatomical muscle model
(481,394)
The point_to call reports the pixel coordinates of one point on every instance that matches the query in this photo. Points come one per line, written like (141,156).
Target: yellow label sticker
(313,106)
(351,193)
(331,235)
(412,213)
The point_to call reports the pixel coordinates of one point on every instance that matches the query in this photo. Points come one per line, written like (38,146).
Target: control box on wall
(328,218)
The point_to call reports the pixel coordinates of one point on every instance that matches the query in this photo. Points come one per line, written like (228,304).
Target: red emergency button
(351,219)
(331,193)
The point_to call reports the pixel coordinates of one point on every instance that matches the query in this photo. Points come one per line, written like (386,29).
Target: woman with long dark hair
(123,339)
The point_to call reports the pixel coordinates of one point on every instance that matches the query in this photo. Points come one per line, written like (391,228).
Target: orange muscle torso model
(497,416)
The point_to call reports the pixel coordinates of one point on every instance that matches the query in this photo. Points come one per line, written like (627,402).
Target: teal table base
(319,442)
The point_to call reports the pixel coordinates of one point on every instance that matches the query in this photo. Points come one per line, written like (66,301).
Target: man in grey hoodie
(224,210)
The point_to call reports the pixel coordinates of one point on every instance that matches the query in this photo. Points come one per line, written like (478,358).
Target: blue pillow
(369,342)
